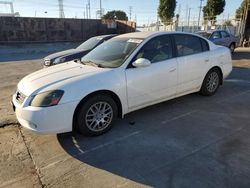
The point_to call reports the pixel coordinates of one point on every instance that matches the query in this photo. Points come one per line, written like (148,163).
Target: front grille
(20,97)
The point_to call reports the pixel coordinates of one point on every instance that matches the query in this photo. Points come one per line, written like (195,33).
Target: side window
(204,44)
(187,44)
(216,35)
(225,34)
(156,50)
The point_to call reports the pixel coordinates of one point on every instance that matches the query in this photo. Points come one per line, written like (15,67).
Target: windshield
(204,34)
(89,44)
(112,53)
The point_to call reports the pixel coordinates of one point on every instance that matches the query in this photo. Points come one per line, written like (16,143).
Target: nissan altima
(124,74)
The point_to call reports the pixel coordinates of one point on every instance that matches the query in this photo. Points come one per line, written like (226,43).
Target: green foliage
(212,9)
(115,15)
(166,11)
(240,11)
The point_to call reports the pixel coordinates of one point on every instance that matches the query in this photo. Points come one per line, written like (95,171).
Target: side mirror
(141,62)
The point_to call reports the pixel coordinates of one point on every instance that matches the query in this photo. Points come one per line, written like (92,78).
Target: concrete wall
(24,29)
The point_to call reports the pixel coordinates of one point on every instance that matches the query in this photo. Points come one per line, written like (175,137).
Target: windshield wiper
(91,63)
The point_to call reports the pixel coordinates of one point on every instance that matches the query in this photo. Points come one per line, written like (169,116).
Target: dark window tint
(204,44)
(225,34)
(90,43)
(187,45)
(216,35)
(156,50)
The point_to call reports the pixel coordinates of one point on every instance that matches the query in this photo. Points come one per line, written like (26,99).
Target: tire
(211,82)
(96,115)
(232,47)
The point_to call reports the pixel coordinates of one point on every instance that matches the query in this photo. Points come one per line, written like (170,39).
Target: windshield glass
(112,53)
(89,44)
(204,34)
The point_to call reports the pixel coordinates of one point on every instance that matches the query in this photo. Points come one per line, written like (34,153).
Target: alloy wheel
(212,82)
(99,116)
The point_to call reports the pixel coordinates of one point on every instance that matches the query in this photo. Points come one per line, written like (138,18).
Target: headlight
(47,62)
(46,99)
(59,60)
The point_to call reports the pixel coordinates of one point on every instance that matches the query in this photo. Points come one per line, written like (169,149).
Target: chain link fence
(233,26)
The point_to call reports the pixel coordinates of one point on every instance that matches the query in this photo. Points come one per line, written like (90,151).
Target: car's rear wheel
(96,115)
(211,82)
(232,47)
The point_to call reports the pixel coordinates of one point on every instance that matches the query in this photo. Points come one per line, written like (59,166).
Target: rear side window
(187,45)
(204,44)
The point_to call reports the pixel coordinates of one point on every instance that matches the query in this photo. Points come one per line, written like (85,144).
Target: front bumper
(49,120)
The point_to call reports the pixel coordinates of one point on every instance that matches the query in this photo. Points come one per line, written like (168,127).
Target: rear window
(204,34)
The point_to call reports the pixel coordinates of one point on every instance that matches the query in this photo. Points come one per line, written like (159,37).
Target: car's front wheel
(96,115)
(211,82)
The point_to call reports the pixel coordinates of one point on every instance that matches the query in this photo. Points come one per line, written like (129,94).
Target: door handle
(172,70)
(206,60)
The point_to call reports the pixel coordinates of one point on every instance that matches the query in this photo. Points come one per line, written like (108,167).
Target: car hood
(45,79)
(63,53)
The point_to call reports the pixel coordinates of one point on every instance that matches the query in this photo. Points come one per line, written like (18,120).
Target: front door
(156,82)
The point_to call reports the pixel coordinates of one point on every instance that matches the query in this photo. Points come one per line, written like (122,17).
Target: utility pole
(101,9)
(87,16)
(130,12)
(10,4)
(89,9)
(200,7)
(188,16)
(61,12)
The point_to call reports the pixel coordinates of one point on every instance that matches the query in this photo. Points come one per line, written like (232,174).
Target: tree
(115,15)
(240,11)
(212,9)
(166,11)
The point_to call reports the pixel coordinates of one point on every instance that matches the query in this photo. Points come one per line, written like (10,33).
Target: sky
(143,11)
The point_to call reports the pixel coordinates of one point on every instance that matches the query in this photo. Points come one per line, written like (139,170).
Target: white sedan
(126,73)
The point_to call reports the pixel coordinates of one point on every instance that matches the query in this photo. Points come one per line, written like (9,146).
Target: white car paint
(135,88)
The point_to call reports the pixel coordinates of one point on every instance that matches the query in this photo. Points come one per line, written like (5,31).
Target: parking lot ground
(191,141)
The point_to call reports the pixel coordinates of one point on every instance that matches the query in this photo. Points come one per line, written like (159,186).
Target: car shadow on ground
(164,144)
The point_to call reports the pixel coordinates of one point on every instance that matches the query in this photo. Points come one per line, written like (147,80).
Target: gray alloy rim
(99,116)
(212,82)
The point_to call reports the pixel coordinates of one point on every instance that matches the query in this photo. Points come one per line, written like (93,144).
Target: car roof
(211,31)
(147,34)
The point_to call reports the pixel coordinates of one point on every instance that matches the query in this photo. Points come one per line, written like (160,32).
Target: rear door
(217,38)
(226,38)
(193,60)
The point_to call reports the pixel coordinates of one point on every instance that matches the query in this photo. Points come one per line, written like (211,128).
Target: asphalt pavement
(192,141)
